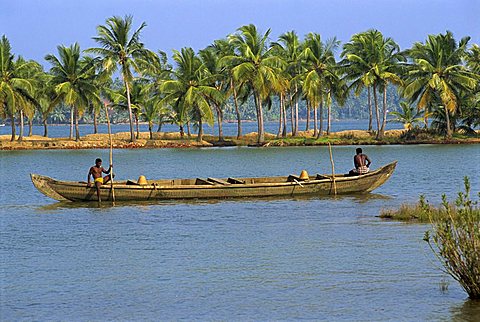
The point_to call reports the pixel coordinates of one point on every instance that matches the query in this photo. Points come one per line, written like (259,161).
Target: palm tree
(291,50)
(437,73)
(356,70)
(16,85)
(254,66)
(319,73)
(73,80)
(30,71)
(281,88)
(224,48)
(337,90)
(473,59)
(408,116)
(190,91)
(150,113)
(156,70)
(373,60)
(44,94)
(121,48)
(216,78)
(138,97)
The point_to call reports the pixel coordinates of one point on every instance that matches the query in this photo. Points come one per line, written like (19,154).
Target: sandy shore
(174,140)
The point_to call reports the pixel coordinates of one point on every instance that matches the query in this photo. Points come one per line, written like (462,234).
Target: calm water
(284,259)
(229,129)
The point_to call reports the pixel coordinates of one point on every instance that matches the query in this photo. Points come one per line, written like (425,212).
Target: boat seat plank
(321,176)
(218,181)
(235,181)
(200,181)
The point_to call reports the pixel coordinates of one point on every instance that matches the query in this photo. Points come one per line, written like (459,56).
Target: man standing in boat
(96,172)
(361,162)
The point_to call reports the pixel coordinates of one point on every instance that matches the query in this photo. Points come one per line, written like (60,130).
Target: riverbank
(174,140)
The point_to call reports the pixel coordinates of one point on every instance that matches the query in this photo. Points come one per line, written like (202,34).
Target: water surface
(265,259)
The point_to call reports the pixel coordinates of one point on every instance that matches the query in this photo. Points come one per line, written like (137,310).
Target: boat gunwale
(221,186)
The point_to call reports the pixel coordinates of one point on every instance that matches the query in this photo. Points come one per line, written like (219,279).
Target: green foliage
(408,116)
(419,212)
(248,76)
(17,78)
(120,47)
(73,79)
(436,77)
(455,239)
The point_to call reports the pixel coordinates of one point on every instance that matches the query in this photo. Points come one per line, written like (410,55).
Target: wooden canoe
(215,188)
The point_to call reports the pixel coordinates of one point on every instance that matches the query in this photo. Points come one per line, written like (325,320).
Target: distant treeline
(246,75)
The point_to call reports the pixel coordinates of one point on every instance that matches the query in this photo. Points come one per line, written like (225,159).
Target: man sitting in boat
(361,162)
(96,172)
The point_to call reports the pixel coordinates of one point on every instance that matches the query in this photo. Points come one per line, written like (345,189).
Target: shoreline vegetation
(121,140)
(454,236)
(247,74)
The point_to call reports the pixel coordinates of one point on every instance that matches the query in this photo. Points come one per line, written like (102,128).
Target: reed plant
(418,212)
(454,238)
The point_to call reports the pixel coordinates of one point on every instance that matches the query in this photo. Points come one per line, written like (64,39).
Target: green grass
(420,212)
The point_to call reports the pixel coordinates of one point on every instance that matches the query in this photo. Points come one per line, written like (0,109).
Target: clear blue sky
(36,27)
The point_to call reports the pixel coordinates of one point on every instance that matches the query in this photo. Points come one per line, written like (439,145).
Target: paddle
(111,153)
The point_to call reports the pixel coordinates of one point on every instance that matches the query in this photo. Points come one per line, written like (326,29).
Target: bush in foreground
(455,239)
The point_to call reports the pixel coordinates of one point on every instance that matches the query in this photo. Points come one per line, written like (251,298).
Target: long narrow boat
(203,188)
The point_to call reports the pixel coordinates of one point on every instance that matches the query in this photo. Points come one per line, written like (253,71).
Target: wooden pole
(333,170)
(111,153)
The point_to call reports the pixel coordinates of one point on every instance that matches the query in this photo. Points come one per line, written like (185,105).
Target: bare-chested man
(96,172)
(361,162)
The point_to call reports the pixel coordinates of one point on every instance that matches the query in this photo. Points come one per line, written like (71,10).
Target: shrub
(455,240)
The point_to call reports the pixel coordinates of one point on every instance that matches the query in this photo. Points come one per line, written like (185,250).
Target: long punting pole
(333,170)
(111,152)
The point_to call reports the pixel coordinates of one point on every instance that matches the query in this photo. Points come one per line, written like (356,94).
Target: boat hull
(176,189)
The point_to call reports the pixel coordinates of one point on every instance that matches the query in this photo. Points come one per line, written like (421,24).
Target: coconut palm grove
(434,85)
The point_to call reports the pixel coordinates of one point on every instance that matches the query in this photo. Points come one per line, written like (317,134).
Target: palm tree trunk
(370,112)
(329,117)
(200,130)
(77,132)
(71,123)
(130,114)
(136,124)
(12,123)
(292,115)
(315,124)
(377,113)
(220,122)
(384,119)
(284,130)
(320,130)
(261,135)
(189,134)
(45,128)
(447,118)
(296,110)
(160,123)
(237,111)
(95,128)
(182,132)
(20,134)
(150,125)
(30,127)
(280,119)
(307,126)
